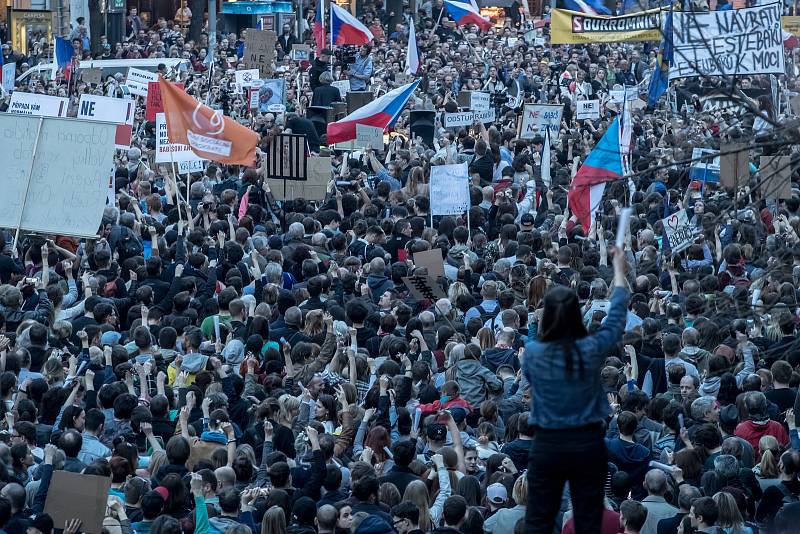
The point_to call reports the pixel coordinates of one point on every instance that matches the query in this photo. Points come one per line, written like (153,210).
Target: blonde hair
(274,521)
(313,323)
(288,406)
(520,491)
(53,370)
(246,451)
(769,448)
(485,338)
(417,493)
(455,290)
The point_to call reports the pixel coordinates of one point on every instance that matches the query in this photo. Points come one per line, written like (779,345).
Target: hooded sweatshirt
(378,285)
(476,381)
(373,525)
(495,357)
(632,458)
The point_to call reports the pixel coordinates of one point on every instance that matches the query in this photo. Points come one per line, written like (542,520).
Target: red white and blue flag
(319,25)
(381,113)
(604,164)
(346,29)
(412,54)
(465,13)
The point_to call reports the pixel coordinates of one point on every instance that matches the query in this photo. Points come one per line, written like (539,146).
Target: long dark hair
(562,323)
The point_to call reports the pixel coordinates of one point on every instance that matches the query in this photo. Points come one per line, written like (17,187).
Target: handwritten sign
(343,86)
(259,50)
(167,152)
(678,231)
(479,101)
(588,109)
(369,136)
(733,42)
(39,105)
(138,81)
(536,118)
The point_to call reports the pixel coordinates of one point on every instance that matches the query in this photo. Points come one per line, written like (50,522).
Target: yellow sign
(572,27)
(791,25)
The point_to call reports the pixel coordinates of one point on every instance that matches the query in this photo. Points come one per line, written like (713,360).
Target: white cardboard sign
(479,101)
(138,79)
(449,186)
(39,105)
(588,109)
(369,136)
(247,77)
(167,152)
(467,118)
(536,118)
(678,231)
(104,108)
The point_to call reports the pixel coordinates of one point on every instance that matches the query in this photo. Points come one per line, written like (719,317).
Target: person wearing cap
(505,519)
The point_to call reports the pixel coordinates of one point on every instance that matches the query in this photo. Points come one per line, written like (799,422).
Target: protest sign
(67,169)
(468,118)
(706,170)
(247,78)
(154,103)
(259,50)
(791,25)
(479,101)
(775,173)
(573,27)
(432,260)
(343,86)
(732,42)
(424,288)
(617,96)
(536,118)
(39,105)
(314,188)
(400,78)
(588,109)
(92,76)
(678,231)
(301,52)
(8,75)
(167,152)
(138,80)
(107,109)
(253,98)
(449,189)
(734,164)
(287,157)
(78,496)
(369,136)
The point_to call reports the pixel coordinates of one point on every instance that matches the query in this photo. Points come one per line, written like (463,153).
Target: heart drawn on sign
(672,222)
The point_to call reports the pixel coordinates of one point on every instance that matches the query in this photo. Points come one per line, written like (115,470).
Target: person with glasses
(405,518)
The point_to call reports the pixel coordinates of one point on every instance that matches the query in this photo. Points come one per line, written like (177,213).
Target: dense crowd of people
(237,363)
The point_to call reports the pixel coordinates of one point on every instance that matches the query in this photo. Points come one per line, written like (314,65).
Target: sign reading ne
(467,118)
(588,109)
(68,174)
(536,118)
(449,189)
(40,105)
(259,50)
(678,231)
(734,42)
(107,109)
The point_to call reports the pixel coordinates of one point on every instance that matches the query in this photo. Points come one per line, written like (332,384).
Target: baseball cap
(437,432)
(526,220)
(497,493)
(458,413)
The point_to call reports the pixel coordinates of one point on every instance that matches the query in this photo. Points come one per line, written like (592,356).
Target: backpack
(128,246)
(488,315)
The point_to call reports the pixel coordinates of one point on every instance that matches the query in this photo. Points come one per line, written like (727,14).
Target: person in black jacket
(325,94)
(303,126)
(318,66)
(401,476)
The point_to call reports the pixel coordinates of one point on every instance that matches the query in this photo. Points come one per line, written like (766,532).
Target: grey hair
(686,495)
(296,230)
(726,465)
(274,273)
(655,481)
(701,406)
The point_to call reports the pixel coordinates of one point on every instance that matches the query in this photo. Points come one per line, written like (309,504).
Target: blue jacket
(560,402)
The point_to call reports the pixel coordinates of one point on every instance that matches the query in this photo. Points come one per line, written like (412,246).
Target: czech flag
(604,164)
(347,29)
(319,25)
(64,52)
(412,54)
(659,83)
(382,113)
(464,13)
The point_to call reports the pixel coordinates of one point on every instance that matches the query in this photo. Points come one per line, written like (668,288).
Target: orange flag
(208,132)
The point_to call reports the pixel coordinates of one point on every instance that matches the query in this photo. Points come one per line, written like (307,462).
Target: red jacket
(752,432)
(435,406)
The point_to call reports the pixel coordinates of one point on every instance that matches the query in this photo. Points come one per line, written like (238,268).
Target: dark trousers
(577,455)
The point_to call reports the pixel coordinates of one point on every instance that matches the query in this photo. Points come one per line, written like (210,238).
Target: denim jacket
(560,402)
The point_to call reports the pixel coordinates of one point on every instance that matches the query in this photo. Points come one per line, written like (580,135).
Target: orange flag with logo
(208,132)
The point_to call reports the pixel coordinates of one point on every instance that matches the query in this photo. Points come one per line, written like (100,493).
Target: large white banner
(536,118)
(468,118)
(107,109)
(733,42)
(68,173)
(166,152)
(39,105)
(449,189)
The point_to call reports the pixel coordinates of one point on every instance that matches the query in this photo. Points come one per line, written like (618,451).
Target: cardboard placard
(77,496)
(300,52)
(734,165)
(423,288)
(154,104)
(431,260)
(538,117)
(38,105)
(587,109)
(138,81)
(479,101)
(94,76)
(449,189)
(343,86)
(247,77)
(318,172)
(678,231)
(259,50)
(467,118)
(776,173)
(402,79)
